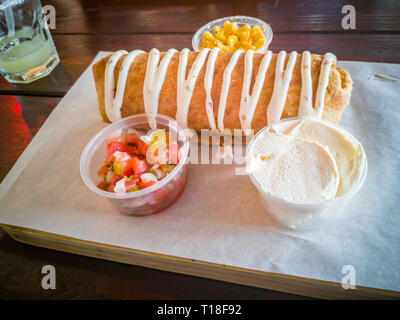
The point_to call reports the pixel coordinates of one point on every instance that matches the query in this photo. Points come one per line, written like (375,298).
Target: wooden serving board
(218,228)
(266,280)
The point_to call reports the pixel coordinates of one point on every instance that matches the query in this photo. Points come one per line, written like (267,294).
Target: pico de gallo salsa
(137,160)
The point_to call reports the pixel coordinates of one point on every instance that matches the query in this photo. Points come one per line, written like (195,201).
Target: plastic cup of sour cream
(304,216)
(149,200)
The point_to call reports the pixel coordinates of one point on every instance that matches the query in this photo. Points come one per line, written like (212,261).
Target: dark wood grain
(126,16)
(20,278)
(77,51)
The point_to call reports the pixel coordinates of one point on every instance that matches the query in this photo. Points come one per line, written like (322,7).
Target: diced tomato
(116,179)
(146,184)
(122,164)
(142,147)
(131,138)
(132,150)
(114,139)
(123,168)
(174,155)
(113,147)
(127,169)
(139,166)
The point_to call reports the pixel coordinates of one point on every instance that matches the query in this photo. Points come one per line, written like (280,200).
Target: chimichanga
(213,89)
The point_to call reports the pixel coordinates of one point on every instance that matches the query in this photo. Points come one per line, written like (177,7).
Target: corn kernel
(220,37)
(230,27)
(256,31)
(244,35)
(218,30)
(258,44)
(208,35)
(248,46)
(245,27)
(232,40)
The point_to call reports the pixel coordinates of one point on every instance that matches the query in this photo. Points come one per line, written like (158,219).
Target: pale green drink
(27,51)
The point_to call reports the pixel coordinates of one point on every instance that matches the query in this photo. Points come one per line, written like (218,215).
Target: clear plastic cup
(305,216)
(240,20)
(149,200)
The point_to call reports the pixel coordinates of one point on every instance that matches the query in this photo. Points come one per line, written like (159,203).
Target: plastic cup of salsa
(145,201)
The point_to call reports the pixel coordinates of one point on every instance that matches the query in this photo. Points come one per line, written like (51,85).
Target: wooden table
(85,27)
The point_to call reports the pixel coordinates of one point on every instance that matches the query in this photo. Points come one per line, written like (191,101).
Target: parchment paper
(219,217)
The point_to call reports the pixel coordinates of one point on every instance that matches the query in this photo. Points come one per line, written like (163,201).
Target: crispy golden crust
(336,99)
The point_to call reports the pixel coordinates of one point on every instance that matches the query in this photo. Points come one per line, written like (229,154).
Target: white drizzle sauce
(305,105)
(109,82)
(225,87)
(323,81)
(154,80)
(281,86)
(248,103)
(186,86)
(155,76)
(208,81)
(122,78)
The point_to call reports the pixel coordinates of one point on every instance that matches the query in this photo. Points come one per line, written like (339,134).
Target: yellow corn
(258,44)
(248,46)
(230,27)
(220,37)
(218,30)
(208,35)
(245,27)
(244,36)
(232,41)
(230,37)
(257,34)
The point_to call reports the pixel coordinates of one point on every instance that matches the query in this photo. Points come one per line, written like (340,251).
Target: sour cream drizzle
(225,87)
(281,86)
(154,80)
(122,78)
(186,86)
(329,59)
(305,105)
(109,82)
(248,103)
(208,81)
(156,72)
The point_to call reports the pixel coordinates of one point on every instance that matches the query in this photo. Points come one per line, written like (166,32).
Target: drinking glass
(27,51)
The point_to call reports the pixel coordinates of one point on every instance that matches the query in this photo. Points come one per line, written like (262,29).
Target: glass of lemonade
(27,51)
